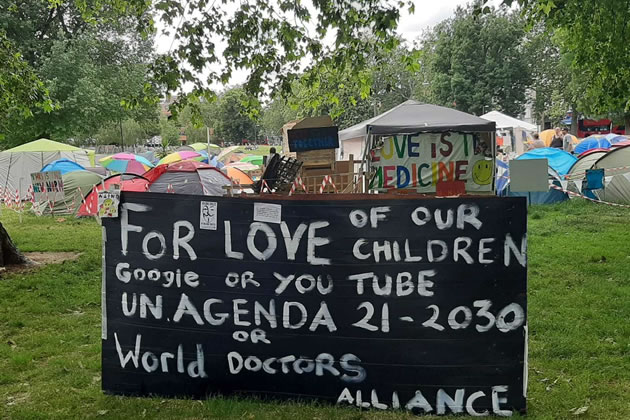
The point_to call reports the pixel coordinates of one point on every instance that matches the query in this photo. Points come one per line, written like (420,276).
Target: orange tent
(239,176)
(547,136)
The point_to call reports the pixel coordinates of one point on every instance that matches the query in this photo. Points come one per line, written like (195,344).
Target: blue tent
(559,160)
(615,138)
(592,142)
(62,165)
(539,197)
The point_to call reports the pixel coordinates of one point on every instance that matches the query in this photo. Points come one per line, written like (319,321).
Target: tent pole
(367,145)
(494,162)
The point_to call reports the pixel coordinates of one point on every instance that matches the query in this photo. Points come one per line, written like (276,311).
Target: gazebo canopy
(414,117)
(43,145)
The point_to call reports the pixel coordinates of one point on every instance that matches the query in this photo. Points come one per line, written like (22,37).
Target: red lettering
(461,166)
(444,173)
(387,177)
(449,146)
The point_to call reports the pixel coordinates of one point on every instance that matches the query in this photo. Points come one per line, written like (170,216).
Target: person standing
(537,143)
(556,141)
(567,140)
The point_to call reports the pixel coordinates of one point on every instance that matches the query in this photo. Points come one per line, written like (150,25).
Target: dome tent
(75,184)
(577,173)
(63,165)
(613,161)
(17,164)
(127,182)
(559,160)
(592,142)
(187,177)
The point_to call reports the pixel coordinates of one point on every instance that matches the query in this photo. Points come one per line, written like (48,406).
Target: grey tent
(410,117)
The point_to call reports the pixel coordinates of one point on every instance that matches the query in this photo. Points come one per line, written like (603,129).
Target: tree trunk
(574,121)
(626,122)
(9,254)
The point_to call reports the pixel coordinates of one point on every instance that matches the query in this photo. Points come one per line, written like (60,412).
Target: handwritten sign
(47,186)
(421,161)
(315,138)
(108,202)
(411,304)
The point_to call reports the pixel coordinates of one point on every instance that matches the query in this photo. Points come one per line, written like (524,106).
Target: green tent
(253,159)
(203,146)
(43,145)
(73,182)
(17,164)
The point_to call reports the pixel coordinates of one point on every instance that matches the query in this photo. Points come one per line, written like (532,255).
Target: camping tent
(577,173)
(617,189)
(584,162)
(63,165)
(547,137)
(187,177)
(614,138)
(615,162)
(75,185)
(559,160)
(238,175)
(127,182)
(20,162)
(592,142)
(409,117)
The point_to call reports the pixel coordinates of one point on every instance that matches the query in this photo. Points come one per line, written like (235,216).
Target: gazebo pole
(367,144)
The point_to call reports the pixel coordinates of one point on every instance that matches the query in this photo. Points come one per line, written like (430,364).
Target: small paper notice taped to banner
(208,215)
(108,202)
(265,212)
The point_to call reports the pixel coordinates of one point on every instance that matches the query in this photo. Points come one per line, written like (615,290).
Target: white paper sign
(529,175)
(208,215)
(269,213)
(47,186)
(108,202)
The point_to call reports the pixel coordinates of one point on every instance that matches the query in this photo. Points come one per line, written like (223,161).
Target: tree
(477,62)
(550,86)
(593,35)
(273,41)
(91,77)
(390,78)
(21,91)
(275,115)
(232,123)
(169,132)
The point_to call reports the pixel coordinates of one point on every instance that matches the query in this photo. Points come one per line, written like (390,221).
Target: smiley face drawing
(482,172)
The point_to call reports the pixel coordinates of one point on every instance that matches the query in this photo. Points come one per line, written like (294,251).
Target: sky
(427,14)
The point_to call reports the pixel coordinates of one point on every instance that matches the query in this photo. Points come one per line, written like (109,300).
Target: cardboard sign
(316,138)
(423,160)
(108,202)
(412,304)
(529,175)
(47,186)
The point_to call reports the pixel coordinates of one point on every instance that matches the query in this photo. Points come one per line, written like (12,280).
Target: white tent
(513,128)
(17,164)
(506,122)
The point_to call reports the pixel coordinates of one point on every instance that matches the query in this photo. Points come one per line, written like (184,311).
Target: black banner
(407,303)
(316,138)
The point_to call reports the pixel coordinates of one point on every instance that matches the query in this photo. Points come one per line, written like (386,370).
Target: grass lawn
(579,329)
(258,150)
